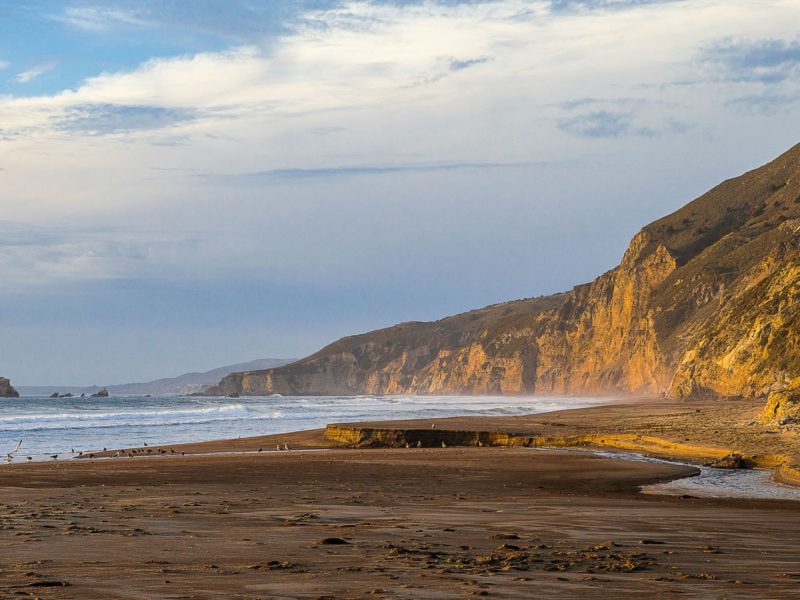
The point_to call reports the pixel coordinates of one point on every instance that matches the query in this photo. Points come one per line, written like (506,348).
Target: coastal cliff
(6,389)
(704,303)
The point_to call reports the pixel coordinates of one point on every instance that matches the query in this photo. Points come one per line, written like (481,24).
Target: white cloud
(365,54)
(31,74)
(96,18)
(484,82)
(41,255)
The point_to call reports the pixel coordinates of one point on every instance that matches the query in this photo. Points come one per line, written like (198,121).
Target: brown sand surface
(417,523)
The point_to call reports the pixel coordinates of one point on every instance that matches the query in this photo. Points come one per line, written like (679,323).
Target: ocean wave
(134,424)
(119,422)
(132,414)
(142,418)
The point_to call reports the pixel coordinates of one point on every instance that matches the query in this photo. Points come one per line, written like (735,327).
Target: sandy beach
(453,522)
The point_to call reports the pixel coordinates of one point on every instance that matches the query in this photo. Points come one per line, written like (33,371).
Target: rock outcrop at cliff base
(782,408)
(7,390)
(705,302)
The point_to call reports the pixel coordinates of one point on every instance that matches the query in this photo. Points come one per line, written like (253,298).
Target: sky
(188,184)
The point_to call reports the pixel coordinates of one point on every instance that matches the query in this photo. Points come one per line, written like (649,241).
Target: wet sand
(498,522)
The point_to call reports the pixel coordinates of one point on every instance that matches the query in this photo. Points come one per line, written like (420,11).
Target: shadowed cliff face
(704,302)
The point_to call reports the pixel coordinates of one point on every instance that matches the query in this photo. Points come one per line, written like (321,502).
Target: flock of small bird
(129,453)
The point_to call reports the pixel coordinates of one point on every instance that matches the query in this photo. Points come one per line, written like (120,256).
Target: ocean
(57,426)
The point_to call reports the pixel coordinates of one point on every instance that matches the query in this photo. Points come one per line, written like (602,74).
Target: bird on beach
(286,447)
(277,447)
(10,455)
(260,449)
(29,457)
(54,456)
(145,443)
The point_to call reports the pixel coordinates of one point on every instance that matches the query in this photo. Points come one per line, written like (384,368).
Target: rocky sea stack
(705,303)
(7,390)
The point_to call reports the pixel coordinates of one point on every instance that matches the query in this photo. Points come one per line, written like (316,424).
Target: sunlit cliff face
(702,304)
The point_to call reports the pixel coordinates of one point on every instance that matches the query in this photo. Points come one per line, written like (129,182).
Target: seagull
(11,454)
(260,449)
(29,457)
(286,447)
(145,443)
(54,456)
(277,447)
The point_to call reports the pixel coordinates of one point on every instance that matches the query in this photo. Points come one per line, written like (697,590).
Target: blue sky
(191,184)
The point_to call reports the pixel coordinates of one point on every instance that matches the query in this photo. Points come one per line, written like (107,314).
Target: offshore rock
(7,390)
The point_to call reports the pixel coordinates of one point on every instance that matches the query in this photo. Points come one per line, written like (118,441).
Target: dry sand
(411,523)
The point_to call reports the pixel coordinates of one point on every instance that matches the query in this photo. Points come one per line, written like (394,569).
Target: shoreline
(124,423)
(595,427)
